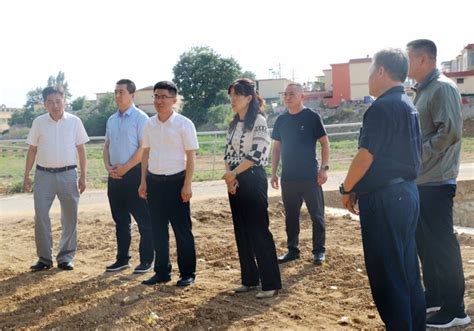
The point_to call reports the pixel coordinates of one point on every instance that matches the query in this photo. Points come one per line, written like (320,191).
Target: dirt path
(335,296)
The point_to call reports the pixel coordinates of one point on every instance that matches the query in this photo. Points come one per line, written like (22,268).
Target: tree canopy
(200,74)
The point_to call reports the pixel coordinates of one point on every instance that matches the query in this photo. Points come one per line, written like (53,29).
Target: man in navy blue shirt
(295,134)
(381,177)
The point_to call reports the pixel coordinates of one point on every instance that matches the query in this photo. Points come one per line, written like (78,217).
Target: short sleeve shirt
(56,141)
(298,134)
(124,133)
(391,133)
(168,143)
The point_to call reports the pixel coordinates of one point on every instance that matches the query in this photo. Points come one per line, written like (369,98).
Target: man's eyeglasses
(161,97)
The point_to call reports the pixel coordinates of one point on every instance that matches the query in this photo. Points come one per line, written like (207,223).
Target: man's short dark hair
(52,90)
(424,45)
(394,61)
(166,85)
(131,88)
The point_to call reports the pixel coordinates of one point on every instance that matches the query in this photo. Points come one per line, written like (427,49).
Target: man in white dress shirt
(169,149)
(53,140)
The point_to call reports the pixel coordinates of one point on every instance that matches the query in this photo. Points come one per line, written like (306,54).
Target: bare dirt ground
(334,296)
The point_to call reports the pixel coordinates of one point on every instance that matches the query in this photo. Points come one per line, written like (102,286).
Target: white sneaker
(445,320)
(244,288)
(266,294)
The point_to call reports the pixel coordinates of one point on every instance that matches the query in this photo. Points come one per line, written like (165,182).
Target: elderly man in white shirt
(53,140)
(169,148)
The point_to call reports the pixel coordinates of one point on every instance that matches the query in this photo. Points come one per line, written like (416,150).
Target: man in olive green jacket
(439,104)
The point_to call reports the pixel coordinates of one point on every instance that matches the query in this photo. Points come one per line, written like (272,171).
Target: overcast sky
(98,42)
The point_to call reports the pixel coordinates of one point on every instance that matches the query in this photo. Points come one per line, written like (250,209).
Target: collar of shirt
(128,112)
(419,86)
(63,117)
(170,120)
(395,89)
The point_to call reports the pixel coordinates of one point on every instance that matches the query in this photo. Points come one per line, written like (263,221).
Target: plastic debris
(152,319)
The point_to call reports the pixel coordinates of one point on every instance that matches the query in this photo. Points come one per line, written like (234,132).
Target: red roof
(460,73)
(470,46)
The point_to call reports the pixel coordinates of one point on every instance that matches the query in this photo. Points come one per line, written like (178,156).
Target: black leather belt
(56,170)
(167,178)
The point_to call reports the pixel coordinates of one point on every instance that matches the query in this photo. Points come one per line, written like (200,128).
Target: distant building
(271,89)
(464,80)
(5,115)
(144,99)
(461,70)
(347,81)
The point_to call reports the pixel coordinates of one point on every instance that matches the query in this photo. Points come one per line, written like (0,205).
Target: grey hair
(394,61)
(298,86)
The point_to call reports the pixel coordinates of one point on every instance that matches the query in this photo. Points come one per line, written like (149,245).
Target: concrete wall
(467,87)
(340,83)
(359,78)
(272,88)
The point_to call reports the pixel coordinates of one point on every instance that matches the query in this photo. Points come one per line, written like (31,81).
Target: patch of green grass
(12,165)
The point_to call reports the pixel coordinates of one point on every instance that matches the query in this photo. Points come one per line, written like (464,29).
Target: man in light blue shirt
(122,159)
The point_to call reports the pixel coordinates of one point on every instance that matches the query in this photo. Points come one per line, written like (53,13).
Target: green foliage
(80,103)
(249,75)
(16,187)
(220,116)
(200,74)
(24,117)
(60,80)
(34,97)
(95,122)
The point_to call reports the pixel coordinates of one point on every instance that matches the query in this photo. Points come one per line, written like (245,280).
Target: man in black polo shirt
(381,176)
(295,134)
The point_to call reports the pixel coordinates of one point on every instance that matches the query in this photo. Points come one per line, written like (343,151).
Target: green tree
(80,103)
(60,80)
(220,116)
(23,117)
(34,97)
(200,74)
(249,75)
(95,122)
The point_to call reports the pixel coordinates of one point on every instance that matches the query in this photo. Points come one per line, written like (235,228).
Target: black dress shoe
(38,266)
(66,266)
(155,280)
(289,256)
(319,258)
(185,281)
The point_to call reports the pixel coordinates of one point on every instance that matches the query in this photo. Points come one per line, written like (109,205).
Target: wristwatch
(342,190)
(325,167)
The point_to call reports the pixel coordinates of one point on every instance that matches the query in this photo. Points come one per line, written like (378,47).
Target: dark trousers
(166,206)
(293,193)
(388,220)
(124,200)
(439,250)
(257,253)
